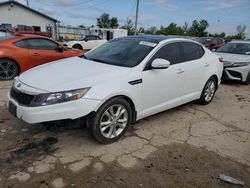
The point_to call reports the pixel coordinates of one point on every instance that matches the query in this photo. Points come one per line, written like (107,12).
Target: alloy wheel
(114,121)
(8,70)
(210,91)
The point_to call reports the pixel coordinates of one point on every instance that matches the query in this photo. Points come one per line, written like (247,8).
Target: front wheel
(8,69)
(208,91)
(111,121)
(77,46)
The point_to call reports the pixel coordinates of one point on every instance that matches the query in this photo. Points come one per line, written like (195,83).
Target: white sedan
(118,83)
(236,56)
(86,43)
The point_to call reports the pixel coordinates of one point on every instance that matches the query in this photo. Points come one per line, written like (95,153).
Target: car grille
(21,98)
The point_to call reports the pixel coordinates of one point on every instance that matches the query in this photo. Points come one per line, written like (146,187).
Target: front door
(163,88)
(43,51)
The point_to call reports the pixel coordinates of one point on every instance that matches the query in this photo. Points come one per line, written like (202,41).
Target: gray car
(236,57)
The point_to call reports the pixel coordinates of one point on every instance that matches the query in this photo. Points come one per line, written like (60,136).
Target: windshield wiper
(83,56)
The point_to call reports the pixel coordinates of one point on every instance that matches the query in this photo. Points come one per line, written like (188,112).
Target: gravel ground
(188,146)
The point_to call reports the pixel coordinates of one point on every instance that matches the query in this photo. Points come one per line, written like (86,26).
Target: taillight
(221,59)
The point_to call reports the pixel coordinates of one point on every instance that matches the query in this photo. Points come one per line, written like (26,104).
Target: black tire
(8,69)
(94,121)
(203,100)
(77,46)
(247,80)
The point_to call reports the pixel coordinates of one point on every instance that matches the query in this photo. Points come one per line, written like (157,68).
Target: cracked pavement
(222,127)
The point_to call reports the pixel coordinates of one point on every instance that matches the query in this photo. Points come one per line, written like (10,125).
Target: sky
(222,15)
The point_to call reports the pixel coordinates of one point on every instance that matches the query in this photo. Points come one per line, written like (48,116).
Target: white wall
(18,15)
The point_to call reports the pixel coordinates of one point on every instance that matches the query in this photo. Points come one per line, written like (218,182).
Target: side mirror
(160,64)
(60,49)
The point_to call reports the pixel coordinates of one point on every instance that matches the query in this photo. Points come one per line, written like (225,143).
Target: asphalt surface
(34,154)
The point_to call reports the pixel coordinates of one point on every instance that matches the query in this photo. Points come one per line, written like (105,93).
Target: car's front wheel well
(216,78)
(131,103)
(77,46)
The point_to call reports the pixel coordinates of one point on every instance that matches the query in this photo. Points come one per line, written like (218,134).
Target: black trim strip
(134,82)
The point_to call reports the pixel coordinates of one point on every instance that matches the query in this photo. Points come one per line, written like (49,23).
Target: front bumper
(62,111)
(236,73)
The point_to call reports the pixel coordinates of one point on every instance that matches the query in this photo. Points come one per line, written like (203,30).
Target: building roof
(28,8)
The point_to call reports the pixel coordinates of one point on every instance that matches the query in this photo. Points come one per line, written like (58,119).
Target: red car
(20,53)
(211,43)
(29,30)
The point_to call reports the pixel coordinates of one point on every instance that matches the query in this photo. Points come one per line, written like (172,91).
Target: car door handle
(36,54)
(180,71)
(206,65)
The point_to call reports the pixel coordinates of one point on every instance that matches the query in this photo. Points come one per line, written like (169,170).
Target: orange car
(20,53)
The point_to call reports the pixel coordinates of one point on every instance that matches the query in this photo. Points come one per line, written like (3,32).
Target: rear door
(43,51)
(194,66)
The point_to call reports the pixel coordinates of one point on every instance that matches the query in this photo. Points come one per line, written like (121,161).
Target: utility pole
(136,16)
(27,1)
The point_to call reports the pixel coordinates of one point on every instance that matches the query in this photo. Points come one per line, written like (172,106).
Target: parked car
(211,43)
(118,83)
(20,53)
(86,43)
(236,55)
(29,30)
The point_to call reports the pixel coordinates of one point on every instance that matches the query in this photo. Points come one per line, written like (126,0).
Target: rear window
(22,44)
(191,51)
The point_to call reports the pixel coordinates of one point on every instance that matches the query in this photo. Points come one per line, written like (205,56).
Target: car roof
(240,41)
(149,38)
(21,37)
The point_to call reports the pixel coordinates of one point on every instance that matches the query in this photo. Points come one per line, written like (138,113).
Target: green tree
(129,25)
(141,30)
(241,31)
(152,30)
(198,29)
(114,23)
(218,35)
(103,21)
(173,29)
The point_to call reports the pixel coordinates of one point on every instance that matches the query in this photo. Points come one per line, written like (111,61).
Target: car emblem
(19,85)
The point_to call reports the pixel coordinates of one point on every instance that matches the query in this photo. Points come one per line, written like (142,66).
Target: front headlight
(58,97)
(240,64)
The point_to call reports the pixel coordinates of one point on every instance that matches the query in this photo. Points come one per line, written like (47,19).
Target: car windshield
(235,48)
(82,38)
(121,52)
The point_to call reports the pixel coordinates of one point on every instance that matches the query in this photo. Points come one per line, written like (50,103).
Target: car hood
(233,57)
(71,73)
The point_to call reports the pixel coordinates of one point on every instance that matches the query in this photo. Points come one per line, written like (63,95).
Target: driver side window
(170,52)
(42,44)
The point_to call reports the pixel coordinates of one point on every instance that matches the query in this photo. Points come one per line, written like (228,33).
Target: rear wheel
(77,46)
(8,69)
(111,121)
(208,92)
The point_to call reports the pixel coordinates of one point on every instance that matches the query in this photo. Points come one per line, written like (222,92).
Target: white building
(109,34)
(13,13)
